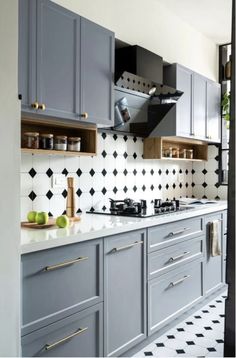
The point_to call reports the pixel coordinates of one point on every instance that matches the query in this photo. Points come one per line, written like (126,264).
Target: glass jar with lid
(189,153)
(31,140)
(46,141)
(182,153)
(175,153)
(60,142)
(74,144)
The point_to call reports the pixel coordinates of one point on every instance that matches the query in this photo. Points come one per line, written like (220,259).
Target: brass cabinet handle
(173,233)
(84,115)
(48,347)
(171,259)
(65,263)
(172,284)
(117,249)
(42,107)
(35,105)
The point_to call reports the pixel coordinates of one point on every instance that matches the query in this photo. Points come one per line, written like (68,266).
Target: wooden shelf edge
(57,152)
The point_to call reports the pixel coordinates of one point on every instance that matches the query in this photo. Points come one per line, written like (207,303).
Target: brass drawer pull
(172,284)
(42,107)
(173,233)
(117,249)
(84,115)
(35,105)
(48,347)
(175,258)
(64,264)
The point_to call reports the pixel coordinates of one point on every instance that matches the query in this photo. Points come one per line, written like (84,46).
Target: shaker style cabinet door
(125,292)
(58,46)
(199,106)
(213,111)
(184,103)
(97,68)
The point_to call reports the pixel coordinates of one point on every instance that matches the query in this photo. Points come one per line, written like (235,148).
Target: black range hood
(140,70)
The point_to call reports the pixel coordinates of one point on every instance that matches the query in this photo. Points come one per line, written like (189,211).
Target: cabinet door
(184,104)
(199,106)
(58,45)
(213,111)
(125,292)
(97,67)
(27,54)
(79,335)
(214,265)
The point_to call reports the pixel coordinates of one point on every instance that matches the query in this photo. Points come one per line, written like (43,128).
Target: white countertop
(93,226)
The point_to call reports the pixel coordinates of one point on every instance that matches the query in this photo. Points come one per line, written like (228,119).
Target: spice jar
(167,152)
(175,152)
(46,141)
(74,144)
(60,142)
(182,153)
(189,153)
(31,140)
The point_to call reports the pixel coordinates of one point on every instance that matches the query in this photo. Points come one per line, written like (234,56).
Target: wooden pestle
(70,202)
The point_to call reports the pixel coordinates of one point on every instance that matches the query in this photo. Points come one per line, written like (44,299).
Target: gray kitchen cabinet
(97,70)
(54,285)
(213,265)
(79,335)
(199,106)
(65,64)
(125,292)
(172,293)
(213,111)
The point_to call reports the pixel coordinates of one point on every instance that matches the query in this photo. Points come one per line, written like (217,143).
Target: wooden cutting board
(51,223)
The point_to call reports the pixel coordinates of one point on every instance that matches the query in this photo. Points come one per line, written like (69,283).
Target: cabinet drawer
(60,279)
(172,293)
(162,261)
(165,235)
(79,335)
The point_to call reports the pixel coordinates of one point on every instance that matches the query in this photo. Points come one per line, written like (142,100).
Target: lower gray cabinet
(79,335)
(125,292)
(213,265)
(172,293)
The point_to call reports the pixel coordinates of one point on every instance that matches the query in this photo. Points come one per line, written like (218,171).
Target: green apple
(41,218)
(63,221)
(31,216)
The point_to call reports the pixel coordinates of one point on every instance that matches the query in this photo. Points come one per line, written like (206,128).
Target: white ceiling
(210,17)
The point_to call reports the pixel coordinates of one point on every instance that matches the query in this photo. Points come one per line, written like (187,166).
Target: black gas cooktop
(129,207)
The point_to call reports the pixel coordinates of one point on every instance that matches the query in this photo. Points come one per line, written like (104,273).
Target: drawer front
(174,256)
(79,335)
(165,235)
(56,280)
(172,293)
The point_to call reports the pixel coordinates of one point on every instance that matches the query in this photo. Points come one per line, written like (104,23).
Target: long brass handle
(84,115)
(42,107)
(178,232)
(65,263)
(117,249)
(35,105)
(175,258)
(48,347)
(172,284)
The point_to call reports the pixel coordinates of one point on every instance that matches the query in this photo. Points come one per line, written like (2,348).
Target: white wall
(9,181)
(149,24)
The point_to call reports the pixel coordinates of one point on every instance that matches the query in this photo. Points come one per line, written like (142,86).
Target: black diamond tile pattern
(32,195)
(115,155)
(64,193)
(32,172)
(49,195)
(49,172)
(65,172)
(186,342)
(92,172)
(104,172)
(79,172)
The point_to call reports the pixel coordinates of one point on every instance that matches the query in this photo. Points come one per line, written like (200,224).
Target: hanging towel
(214,238)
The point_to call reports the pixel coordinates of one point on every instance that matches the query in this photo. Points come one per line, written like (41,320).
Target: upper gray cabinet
(197,112)
(66,64)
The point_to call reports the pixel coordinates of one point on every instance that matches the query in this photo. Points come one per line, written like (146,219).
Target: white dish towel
(214,238)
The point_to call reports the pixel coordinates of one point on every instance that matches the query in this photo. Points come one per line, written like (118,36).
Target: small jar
(60,142)
(74,144)
(167,153)
(182,153)
(175,153)
(189,153)
(46,141)
(31,140)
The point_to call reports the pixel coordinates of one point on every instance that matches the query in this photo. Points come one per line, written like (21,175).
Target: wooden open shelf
(88,135)
(154,147)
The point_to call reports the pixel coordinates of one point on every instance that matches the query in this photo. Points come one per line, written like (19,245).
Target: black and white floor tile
(200,335)
(118,171)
